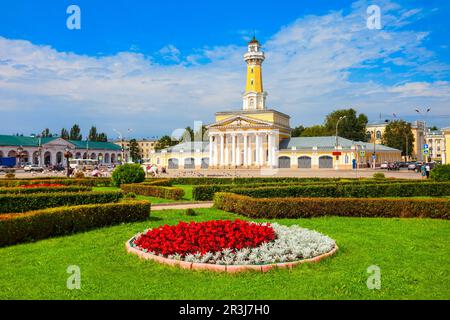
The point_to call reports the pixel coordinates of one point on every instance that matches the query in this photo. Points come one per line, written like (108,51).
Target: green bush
(350,190)
(10,203)
(19,190)
(190,212)
(379,175)
(41,224)
(441,173)
(128,173)
(347,207)
(206,192)
(153,191)
(90,182)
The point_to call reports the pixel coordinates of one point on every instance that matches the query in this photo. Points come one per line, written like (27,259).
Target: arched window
(378,134)
(304,162)
(326,162)
(284,162)
(369,135)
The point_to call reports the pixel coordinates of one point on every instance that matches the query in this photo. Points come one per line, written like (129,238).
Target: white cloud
(307,74)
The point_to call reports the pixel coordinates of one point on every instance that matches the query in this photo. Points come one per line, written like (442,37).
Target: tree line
(75,134)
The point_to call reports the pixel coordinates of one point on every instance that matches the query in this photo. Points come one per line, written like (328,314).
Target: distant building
(50,151)
(376,131)
(146,147)
(259,137)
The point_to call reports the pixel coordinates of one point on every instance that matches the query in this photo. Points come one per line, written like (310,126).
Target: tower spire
(254,97)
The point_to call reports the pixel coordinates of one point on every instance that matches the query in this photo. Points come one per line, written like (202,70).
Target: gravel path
(182,205)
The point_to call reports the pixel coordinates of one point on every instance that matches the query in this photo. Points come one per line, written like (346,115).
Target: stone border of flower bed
(222,268)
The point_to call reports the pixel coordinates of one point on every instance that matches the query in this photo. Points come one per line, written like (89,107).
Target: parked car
(6,169)
(384,165)
(415,166)
(393,166)
(33,168)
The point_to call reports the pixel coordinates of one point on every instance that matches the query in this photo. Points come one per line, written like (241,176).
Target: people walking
(427,170)
(423,171)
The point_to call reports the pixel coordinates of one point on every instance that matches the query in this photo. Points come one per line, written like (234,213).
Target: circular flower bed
(223,245)
(42,185)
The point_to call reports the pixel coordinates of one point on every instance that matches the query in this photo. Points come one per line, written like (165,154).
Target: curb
(223,268)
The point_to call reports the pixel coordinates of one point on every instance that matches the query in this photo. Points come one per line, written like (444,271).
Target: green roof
(94,145)
(24,141)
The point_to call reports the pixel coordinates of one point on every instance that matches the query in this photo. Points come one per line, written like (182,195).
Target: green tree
(352,127)
(64,134)
(135,151)
(102,137)
(75,133)
(398,135)
(165,142)
(315,131)
(297,131)
(93,136)
(46,133)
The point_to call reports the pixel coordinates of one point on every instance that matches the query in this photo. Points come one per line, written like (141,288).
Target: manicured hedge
(206,192)
(238,180)
(350,190)
(153,191)
(19,190)
(41,224)
(35,201)
(347,207)
(90,182)
(159,182)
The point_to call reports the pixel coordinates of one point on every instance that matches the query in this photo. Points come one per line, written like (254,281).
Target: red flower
(203,237)
(41,185)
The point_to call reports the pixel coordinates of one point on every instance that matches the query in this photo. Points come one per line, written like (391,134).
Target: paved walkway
(181,205)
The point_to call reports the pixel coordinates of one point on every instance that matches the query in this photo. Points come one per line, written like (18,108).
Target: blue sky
(155,66)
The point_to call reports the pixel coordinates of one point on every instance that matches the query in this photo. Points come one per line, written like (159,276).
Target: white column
(238,152)
(270,149)
(227,151)
(245,150)
(222,138)
(210,150)
(261,150)
(256,149)
(233,149)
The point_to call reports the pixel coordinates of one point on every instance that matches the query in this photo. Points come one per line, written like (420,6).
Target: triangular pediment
(59,142)
(240,121)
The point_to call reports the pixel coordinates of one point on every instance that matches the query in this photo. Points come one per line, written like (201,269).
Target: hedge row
(10,203)
(159,182)
(19,190)
(90,182)
(350,190)
(41,224)
(239,180)
(153,191)
(347,207)
(206,192)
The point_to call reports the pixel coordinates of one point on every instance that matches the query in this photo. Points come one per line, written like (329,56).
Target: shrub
(128,173)
(190,212)
(10,203)
(79,175)
(350,190)
(154,191)
(41,224)
(10,175)
(206,192)
(441,173)
(159,182)
(130,195)
(346,207)
(45,189)
(379,175)
(98,182)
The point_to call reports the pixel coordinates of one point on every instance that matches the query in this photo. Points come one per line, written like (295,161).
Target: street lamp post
(19,155)
(337,141)
(67,155)
(121,137)
(424,115)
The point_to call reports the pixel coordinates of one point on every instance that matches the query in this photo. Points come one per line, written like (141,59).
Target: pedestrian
(427,170)
(423,170)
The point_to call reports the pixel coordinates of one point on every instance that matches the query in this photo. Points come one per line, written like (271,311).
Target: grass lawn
(187,194)
(412,254)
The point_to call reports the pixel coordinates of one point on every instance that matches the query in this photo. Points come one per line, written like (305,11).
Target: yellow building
(375,131)
(146,148)
(446,152)
(258,137)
